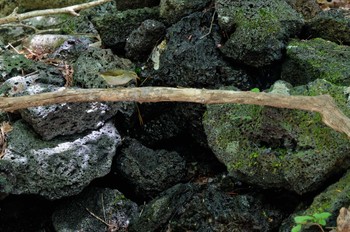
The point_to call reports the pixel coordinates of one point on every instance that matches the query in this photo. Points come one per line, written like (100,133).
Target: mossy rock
(331,25)
(331,200)
(279,148)
(258,30)
(316,58)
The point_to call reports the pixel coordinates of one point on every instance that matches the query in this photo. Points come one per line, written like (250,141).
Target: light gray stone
(67,118)
(56,168)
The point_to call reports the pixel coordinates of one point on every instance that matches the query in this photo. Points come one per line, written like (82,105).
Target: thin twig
(103,207)
(11,46)
(211,26)
(97,217)
(332,116)
(15,17)
(20,25)
(316,224)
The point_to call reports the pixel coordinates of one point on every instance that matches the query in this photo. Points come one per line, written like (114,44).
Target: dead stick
(323,104)
(15,17)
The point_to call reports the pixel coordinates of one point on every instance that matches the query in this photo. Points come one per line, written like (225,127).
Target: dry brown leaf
(343,220)
(4,130)
(68,72)
(327,4)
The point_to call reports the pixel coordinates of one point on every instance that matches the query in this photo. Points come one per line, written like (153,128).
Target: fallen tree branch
(332,116)
(15,17)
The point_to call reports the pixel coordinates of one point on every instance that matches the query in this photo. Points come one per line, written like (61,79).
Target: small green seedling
(317,219)
(255,90)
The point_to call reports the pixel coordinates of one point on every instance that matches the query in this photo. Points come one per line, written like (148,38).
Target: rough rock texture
(108,204)
(127,4)
(141,41)
(148,171)
(316,58)
(161,209)
(191,58)
(276,148)
(308,8)
(67,118)
(190,207)
(17,85)
(56,168)
(95,60)
(164,122)
(13,64)
(330,25)
(330,200)
(71,49)
(115,26)
(258,29)
(42,4)
(174,10)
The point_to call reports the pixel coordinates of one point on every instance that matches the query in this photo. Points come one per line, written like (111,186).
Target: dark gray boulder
(148,171)
(57,168)
(205,207)
(66,118)
(191,57)
(115,26)
(75,214)
(258,30)
(142,40)
(173,10)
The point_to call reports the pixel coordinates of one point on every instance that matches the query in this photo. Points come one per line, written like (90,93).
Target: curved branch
(15,17)
(332,116)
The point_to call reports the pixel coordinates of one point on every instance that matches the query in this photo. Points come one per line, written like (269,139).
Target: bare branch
(15,17)
(323,104)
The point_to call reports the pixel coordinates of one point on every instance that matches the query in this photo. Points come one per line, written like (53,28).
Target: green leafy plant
(138,70)
(317,219)
(255,90)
